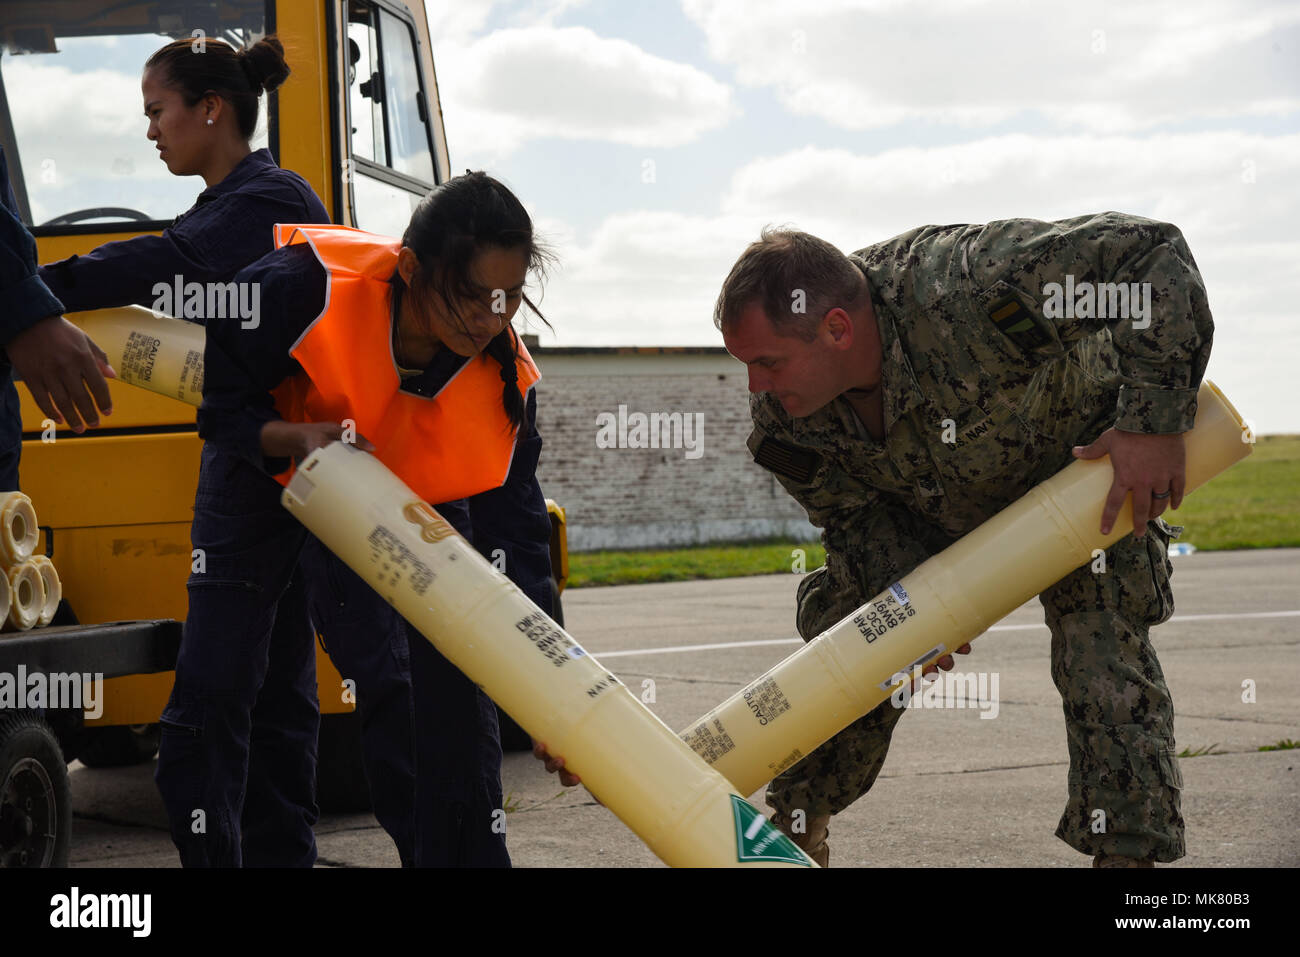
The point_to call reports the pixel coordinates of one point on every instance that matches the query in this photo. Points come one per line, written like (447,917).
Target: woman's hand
(297,440)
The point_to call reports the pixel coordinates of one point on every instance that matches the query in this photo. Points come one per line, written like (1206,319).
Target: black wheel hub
(29,816)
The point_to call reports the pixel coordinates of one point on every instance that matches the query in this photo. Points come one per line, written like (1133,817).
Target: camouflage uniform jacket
(986,383)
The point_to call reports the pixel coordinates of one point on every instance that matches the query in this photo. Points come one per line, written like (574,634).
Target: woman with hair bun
(201,99)
(202,103)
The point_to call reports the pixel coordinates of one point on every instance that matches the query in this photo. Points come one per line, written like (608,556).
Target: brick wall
(627,497)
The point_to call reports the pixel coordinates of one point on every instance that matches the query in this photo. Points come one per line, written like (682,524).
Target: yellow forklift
(359,119)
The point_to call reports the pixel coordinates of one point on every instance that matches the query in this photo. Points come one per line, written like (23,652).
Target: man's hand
(946,662)
(1152,467)
(297,440)
(554,764)
(64,371)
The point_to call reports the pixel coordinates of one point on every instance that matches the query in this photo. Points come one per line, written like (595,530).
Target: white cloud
(651,278)
(519,84)
(1111,68)
(74,108)
(642,278)
(453,22)
(457,21)
(1201,181)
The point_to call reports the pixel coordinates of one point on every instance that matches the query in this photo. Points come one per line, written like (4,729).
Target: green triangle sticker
(757,840)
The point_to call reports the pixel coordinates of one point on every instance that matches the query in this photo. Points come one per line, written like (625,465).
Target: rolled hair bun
(264,65)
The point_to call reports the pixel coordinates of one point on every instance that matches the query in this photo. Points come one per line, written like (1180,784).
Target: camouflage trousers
(1119,716)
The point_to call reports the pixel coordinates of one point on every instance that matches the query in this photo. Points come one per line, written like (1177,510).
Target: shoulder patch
(785,459)
(1015,322)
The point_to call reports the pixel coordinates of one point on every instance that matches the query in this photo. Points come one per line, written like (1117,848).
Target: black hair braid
(502,349)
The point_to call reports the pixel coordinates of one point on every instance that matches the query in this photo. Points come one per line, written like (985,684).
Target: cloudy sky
(652,140)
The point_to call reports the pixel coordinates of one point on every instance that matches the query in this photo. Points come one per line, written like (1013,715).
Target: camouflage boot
(1115,860)
(813,839)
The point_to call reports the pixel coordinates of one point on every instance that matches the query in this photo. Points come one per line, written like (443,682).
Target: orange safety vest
(449,446)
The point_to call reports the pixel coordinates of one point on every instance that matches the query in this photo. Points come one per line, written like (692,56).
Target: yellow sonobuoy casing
(945,602)
(684,810)
(157,353)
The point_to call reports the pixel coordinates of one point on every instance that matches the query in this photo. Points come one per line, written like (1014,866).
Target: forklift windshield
(72,121)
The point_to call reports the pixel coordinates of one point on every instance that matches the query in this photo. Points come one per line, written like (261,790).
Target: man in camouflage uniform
(904,411)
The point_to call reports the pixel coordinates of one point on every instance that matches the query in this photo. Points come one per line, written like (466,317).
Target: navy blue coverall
(254,543)
(230,226)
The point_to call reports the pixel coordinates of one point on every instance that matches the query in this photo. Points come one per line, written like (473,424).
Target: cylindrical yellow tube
(685,811)
(27,595)
(18,530)
(53,588)
(157,353)
(945,602)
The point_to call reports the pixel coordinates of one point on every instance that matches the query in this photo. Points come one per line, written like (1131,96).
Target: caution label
(138,357)
(757,840)
(710,740)
(765,700)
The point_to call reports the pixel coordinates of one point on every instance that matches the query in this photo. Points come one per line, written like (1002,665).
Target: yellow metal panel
(559,544)
(88,481)
(123,572)
(53,248)
(304,100)
(135,699)
(329,685)
(140,699)
(131,408)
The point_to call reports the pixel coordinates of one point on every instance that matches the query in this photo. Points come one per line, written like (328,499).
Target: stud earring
(209,121)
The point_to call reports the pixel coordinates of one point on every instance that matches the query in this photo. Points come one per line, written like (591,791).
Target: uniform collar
(251,165)
(898,383)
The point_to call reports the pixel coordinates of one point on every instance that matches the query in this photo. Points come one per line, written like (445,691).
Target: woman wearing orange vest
(405,348)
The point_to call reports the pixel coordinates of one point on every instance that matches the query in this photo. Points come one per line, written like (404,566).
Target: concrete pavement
(956,790)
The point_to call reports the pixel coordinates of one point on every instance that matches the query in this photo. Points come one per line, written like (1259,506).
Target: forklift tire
(513,737)
(35,796)
(341,786)
(119,746)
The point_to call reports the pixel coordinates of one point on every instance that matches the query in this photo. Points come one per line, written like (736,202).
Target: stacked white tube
(29,586)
